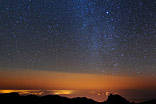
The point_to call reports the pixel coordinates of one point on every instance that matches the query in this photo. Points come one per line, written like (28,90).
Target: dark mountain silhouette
(15,98)
(116,99)
(149,102)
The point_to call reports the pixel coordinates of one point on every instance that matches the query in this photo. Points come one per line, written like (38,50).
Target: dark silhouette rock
(54,98)
(149,102)
(83,100)
(15,98)
(116,99)
(13,94)
(10,97)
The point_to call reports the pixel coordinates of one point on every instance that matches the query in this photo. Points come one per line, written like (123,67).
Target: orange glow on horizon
(69,81)
(97,95)
(59,92)
(19,91)
(94,86)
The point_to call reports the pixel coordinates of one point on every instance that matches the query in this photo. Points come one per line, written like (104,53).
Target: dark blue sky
(85,36)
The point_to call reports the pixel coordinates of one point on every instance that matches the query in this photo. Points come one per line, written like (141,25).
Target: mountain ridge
(15,98)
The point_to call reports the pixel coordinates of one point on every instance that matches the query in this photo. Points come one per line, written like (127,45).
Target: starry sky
(82,36)
(113,37)
(109,45)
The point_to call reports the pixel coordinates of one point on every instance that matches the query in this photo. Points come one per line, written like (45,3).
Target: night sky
(115,37)
(78,44)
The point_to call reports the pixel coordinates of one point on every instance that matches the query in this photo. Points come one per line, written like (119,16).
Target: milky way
(82,36)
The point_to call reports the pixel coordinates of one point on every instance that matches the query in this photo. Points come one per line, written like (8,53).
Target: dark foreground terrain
(15,98)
